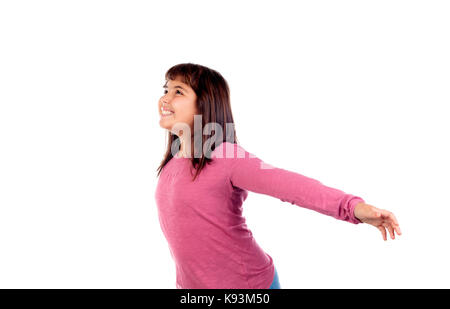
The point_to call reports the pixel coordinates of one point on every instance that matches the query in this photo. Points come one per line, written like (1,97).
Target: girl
(204,180)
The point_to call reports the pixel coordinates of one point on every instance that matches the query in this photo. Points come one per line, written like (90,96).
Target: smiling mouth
(166,112)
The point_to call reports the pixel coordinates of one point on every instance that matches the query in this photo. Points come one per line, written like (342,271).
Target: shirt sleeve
(248,172)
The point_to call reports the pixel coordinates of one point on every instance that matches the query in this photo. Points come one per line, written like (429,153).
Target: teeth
(166,113)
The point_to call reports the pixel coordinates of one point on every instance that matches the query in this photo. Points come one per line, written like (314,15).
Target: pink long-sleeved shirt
(202,221)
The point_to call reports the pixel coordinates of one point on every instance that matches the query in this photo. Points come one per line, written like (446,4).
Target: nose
(164,101)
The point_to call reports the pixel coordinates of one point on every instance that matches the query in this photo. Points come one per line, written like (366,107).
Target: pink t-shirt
(208,238)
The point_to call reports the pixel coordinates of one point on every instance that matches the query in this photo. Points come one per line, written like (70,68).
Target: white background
(352,93)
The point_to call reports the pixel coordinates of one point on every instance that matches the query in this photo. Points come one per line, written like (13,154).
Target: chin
(165,124)
(166,127)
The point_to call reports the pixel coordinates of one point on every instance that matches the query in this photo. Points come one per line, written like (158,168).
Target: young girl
(204,180)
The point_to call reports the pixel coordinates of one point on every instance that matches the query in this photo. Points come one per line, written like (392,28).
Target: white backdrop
(352,93)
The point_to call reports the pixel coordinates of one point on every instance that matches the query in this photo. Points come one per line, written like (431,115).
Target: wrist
(357,210)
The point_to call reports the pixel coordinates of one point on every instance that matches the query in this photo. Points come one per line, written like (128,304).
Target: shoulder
(238,157)
(229,151)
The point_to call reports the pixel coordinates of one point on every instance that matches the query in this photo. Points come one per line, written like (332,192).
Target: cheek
(185,111)
(185,115)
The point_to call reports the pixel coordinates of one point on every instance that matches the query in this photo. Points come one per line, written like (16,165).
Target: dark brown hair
(213,103)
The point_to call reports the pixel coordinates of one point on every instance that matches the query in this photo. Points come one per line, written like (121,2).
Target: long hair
(213,104)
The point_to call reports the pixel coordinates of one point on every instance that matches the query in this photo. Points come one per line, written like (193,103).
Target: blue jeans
(275,282)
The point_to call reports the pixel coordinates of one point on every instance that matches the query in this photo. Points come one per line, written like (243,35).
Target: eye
(178,91)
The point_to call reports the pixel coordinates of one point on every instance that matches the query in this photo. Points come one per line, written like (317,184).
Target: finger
(391,231)
(397,229)
(391,217)
(383,232)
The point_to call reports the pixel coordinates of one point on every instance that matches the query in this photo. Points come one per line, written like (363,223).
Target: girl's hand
(379,218)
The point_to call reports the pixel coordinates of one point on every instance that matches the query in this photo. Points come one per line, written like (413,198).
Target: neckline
(177,155)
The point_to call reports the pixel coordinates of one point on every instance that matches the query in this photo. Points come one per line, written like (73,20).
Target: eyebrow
(165,86)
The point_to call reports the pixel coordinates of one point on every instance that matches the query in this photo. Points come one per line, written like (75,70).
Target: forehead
(176,82)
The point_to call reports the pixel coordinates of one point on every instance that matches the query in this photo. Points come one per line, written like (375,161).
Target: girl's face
(179,100)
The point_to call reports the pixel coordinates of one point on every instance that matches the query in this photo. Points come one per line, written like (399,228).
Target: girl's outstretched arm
(248,172)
